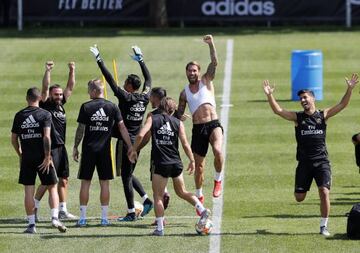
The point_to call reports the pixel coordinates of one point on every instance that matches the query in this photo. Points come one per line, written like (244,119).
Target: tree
(158,13)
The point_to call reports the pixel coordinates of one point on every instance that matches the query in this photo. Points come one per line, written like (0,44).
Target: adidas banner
(189,11)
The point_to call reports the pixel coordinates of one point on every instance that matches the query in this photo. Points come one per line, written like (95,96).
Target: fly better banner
(190,11)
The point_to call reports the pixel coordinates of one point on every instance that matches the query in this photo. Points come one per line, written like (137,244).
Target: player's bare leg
(29,208)
(216,141)
(199,177)
(324,194)
(300,196)
(158,185)
(104,200)
(54,206)
(84,199)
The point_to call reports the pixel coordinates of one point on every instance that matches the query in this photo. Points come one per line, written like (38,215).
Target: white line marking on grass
(215,239)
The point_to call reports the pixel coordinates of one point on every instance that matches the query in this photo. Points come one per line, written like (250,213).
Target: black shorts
(168,170)
(103,162)
(201,136)
(124,167)
(29,169)
(306,171)
(61,161)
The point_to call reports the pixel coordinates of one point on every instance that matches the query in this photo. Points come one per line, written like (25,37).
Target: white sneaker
(57,224)
(324,231)
(66,215)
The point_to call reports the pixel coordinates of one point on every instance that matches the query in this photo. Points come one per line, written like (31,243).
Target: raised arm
(268,90)
(46,80)
(180,112)
(71,80)
(332,111)
(210,72)
(78,137)
(108,77)
(138,56)
(187,148)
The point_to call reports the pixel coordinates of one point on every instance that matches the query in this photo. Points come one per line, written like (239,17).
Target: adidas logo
(166,129)
(139,107)
(99,115)
(30,122)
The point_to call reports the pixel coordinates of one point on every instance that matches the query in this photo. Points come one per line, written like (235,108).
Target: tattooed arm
(210,72)
(78,137)
(47,162)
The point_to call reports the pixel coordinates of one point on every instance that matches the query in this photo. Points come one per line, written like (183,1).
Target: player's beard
(193,79)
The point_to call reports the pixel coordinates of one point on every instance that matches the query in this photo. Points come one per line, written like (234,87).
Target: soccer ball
(139,208)
(204,229)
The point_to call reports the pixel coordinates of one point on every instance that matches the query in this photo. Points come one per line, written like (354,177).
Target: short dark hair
(193,63)
(354,137)
(158,92)
(305,91)
(33,94)
(134,81)
(54,86)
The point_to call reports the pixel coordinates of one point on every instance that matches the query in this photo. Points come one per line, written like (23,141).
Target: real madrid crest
(318,120)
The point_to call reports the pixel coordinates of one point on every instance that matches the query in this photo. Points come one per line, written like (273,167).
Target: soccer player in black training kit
(132,105)
(166,131)
(52,99)
(356,142)
(96,120)
(32,126)
(310,132)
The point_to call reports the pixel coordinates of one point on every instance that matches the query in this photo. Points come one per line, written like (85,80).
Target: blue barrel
(306,72)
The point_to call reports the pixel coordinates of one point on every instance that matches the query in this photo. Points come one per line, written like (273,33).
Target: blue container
(306,73)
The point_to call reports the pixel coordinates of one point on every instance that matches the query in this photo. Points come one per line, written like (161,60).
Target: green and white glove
(138,56)
(95,51)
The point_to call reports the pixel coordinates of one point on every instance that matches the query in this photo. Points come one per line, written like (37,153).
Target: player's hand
(138,56)
(76,154)
(184,117)
(132,155)
(49,65)
(353,81)
(96,52)
(267,87)
(191,167)
(208,39)
(71,66)
(45,166)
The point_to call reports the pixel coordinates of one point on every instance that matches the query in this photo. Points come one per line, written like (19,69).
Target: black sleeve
(109,78)
(82,116)
(47,119)
(15,125)
(147,77)
(357,154)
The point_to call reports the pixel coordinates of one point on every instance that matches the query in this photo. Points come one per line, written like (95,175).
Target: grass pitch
(260,214)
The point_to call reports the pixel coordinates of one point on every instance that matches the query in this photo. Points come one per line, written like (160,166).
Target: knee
(299,197)
(323,192)
(63,182)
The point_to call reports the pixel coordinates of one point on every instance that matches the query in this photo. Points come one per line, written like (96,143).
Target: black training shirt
(29,124)
(58,126)
(310,136)
(99,116)
(132,105)
(165,142)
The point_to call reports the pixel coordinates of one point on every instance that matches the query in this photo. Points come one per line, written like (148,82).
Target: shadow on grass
(289,216)
(63,236)
(266,101)
(342,237)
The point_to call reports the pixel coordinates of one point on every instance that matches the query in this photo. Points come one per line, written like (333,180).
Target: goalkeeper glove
(95,51)
(138,56)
